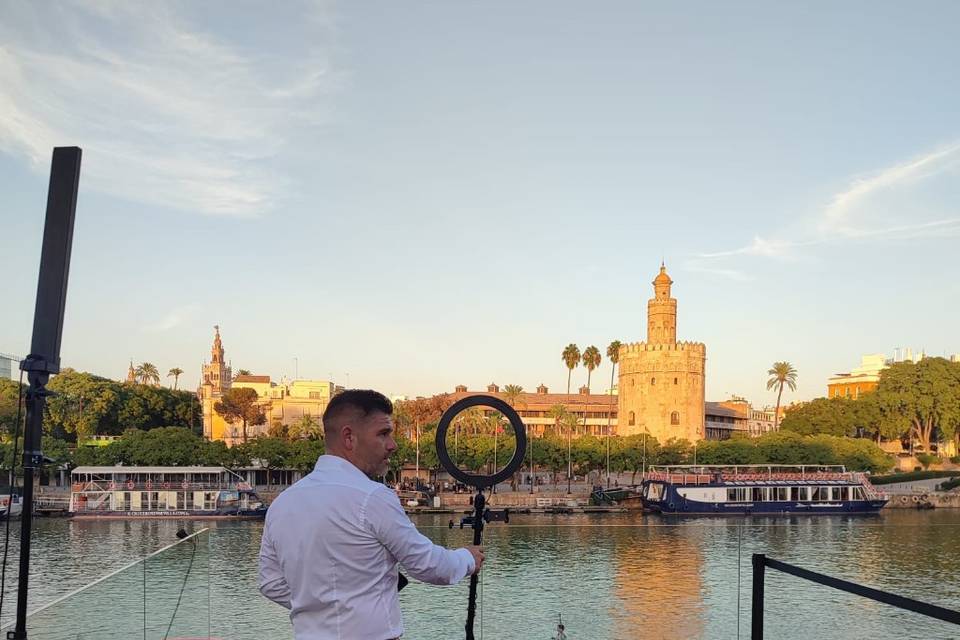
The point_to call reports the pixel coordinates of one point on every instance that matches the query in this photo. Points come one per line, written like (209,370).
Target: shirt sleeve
(272,583)
(421,558)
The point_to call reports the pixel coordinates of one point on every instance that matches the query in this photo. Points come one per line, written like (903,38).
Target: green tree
(304,453)
(781,373)
(675,451)
(175,373)
(512,393)
(10,396)
(271,453)
(832,416)
(162,446)
(571,358)
(307,427)
(613,355)
(240,404)
(241,372)
(561,418)
(591,360)
(921,398)
(147,373)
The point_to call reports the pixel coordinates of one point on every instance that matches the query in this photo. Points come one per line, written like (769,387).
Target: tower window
(675,417)
(653,381)
(633,419)
(676,381)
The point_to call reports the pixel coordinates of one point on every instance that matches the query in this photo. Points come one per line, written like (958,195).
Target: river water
(610,576)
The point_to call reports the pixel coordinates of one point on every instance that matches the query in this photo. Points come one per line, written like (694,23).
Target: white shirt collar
(330,462)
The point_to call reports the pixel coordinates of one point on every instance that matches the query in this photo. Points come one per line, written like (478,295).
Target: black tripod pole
(478,505)
(44,358)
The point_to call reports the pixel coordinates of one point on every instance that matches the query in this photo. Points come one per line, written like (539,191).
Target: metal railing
(761,562)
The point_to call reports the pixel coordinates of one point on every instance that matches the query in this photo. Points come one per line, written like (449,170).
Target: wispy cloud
(904,201)
(841,215)
(167,112)
(759,247)
(171,320)
(700,266)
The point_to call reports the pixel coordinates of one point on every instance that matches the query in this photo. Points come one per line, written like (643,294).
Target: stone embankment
(921,494)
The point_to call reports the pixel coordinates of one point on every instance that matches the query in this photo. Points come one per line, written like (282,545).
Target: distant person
(332,541)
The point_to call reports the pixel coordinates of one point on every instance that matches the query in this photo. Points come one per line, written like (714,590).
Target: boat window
(783,493)
(736,494)
(795,493)
(209,500)
(756,494)
(858,493)
(836,493)
(821,494)
(656,491)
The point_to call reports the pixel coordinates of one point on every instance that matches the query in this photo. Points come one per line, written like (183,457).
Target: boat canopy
(125,470)
(750,468)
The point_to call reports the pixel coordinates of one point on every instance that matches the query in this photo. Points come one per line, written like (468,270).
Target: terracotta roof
(527,401)
(263,379)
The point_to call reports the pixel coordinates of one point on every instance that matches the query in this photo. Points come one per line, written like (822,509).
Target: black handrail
(761,562)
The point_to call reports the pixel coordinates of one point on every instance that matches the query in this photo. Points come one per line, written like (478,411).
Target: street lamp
(533,476)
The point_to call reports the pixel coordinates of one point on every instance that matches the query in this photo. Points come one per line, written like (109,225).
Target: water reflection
(658,584)
(613,576)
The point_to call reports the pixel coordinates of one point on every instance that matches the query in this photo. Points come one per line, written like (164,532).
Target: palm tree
(591,360)
(613,354)
(571,358)
(559,414)
(512,393)
(175,373)
(782,373)
(147,373)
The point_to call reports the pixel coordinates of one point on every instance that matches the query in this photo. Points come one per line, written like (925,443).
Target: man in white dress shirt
(332,541)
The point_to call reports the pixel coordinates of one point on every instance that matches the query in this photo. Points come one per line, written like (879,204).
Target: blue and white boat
(759,489)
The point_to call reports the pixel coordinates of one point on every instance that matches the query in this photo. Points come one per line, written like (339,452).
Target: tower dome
(662,277)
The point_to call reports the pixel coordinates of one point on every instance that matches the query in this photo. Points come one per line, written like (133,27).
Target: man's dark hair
(354,404)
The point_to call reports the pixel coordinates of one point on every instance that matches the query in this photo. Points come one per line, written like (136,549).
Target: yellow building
(864,378)
(286,402)
(283,402)
(662,381)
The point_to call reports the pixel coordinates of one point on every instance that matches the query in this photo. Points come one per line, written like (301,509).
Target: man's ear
(347,437)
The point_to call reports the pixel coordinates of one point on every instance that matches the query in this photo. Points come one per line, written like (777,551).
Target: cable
(739,539)
(183,587)
(6,516)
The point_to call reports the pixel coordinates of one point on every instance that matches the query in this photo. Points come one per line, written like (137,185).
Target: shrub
(927,459)
(952,483)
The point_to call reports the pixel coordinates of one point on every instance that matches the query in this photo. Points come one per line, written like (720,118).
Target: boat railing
(869,489)
(854,477)
(149,485)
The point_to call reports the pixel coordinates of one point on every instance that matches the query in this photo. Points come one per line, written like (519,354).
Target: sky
(411,196)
